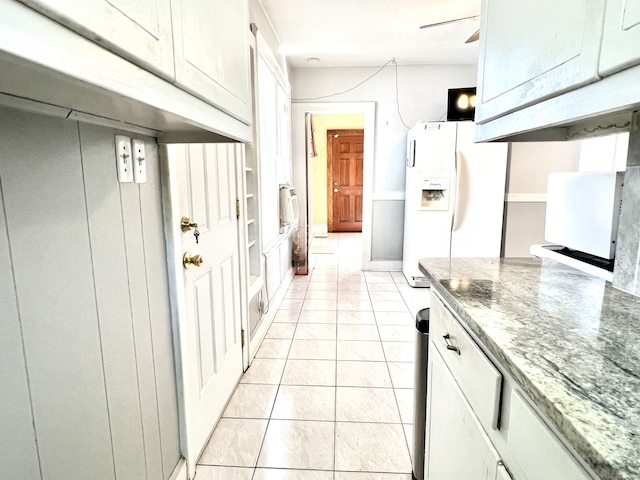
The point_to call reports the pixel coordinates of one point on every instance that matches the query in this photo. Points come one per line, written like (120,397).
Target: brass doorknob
(188,260)
(336,190)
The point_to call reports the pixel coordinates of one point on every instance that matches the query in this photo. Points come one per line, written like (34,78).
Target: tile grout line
(406,441)
(275,398)
(318,273)
(335,391)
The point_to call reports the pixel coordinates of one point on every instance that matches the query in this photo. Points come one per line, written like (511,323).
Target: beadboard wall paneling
(93,392)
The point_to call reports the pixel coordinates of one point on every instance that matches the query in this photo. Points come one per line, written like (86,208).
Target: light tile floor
(329,395)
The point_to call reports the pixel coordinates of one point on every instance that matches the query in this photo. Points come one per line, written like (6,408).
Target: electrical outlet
(139,162)
(124,160)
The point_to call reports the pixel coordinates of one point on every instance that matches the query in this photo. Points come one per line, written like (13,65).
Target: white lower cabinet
(458,447)
(535,449)
(465,439)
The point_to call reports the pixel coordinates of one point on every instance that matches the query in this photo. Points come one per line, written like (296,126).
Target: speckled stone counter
(569,339)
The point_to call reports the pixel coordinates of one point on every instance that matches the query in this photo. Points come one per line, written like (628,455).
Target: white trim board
(382,266)
(319,231)
(180,472)
(526,197)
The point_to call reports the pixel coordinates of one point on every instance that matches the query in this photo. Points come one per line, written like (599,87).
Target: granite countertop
(570,340)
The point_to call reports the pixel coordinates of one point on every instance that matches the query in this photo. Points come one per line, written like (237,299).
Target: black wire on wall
(392,61)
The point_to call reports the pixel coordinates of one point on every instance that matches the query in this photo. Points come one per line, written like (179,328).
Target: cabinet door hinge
(238,209)
(242,337)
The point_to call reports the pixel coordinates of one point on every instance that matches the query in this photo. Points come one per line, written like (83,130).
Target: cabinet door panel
(621,36)
(535,50)
(138,30)
(212,53)
(457,446)
(536,449)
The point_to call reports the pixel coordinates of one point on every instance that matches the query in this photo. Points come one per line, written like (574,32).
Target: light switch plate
(124,161)
(139,161)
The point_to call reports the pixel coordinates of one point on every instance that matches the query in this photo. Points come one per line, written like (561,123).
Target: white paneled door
(207,290)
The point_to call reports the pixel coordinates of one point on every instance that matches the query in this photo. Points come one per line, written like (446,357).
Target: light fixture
(463,102)
(313,60)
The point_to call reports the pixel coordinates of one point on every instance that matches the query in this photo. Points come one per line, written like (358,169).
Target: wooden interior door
(344,162)
(209,318)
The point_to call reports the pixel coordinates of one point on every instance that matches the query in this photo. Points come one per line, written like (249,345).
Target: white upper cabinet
(138,30)
(212,53)
(531,51)
(621,36)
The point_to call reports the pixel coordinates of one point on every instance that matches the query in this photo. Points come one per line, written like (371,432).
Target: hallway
(329,394)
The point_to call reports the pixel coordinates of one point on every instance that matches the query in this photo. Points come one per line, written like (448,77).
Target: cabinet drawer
(536,449)
(477,377)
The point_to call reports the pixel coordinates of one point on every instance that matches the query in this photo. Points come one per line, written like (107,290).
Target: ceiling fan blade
(473,38)
(447,22)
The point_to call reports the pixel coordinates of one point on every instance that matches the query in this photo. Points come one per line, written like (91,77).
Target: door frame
(302,161)
(177,301)
(330,137)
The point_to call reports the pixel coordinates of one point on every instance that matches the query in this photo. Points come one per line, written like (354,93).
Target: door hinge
(242,337)
(237,208)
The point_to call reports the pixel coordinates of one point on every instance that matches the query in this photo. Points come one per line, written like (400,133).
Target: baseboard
(180,472)
(320,231)
(382,266)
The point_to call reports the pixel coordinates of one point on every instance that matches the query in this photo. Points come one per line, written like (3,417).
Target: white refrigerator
(454,196)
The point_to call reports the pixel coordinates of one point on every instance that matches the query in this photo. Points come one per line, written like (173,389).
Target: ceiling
(344,33)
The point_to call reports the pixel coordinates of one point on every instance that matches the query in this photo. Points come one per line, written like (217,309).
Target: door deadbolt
(186,224)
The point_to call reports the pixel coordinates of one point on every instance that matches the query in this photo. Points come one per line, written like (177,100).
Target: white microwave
(583,211)
(289,213)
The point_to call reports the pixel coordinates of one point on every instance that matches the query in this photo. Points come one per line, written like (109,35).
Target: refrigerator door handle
(455,216)
(411,154)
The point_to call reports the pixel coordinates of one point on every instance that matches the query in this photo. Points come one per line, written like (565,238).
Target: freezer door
(427,232)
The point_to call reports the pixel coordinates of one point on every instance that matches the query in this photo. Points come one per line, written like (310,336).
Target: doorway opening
(310,124)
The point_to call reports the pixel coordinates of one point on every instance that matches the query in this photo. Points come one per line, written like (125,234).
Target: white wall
(529,166)
(422,96)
